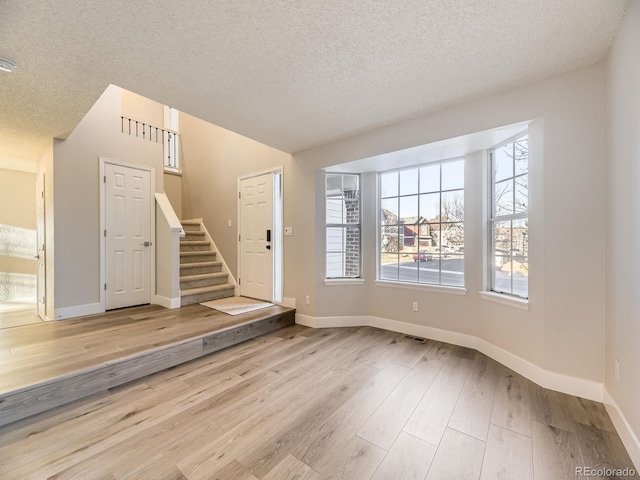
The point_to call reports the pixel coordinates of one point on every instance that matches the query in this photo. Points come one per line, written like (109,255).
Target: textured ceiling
(292,74)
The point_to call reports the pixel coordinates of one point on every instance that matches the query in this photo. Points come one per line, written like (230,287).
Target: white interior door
(128,236)
(40,254)
(256,237)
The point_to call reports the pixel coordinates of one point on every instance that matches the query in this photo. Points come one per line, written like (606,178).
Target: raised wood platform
(50,364)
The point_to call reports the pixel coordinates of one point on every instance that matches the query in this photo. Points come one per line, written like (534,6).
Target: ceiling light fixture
(7,65)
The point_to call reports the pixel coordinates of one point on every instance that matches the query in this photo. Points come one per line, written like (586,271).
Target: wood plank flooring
(299,403)
(54,363)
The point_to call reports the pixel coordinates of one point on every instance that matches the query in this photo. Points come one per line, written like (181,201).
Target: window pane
(522,155)
(521,276)
(429,271)
(520,238)
(409,182)
(453,206)
(453,270)
(389,242)
(452,236)
(350,183)
(335,239)
(409,209)
(335,210)
(333,185)
(504,198)
(388,266)
(430,207)
(334,265)
(352,252)
(430,179)
(502,275)
(522,194)
(389,211)
(502,238)
(389,184)
(453,175)
(503,162)
(352,207)
(408,271)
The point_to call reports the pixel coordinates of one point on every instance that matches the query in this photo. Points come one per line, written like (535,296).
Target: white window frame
(491,291)
(342,280)
(440,287)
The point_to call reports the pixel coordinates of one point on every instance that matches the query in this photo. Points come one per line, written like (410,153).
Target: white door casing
(128,236)
(256,237)
(40,248)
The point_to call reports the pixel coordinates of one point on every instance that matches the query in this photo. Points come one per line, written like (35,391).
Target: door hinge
(239,281)
(105,232)
(42,194)
(104,179)
(239,195)
(238,237)
(105,286)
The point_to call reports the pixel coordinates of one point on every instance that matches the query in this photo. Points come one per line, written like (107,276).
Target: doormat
(236,305)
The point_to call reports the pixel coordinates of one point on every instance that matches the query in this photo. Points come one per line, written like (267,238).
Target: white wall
(77,204)
(622,222)
(563,331)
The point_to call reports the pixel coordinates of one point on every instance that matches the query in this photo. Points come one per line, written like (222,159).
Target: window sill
(519,303)
(339,282)
(173,171)
(423,287)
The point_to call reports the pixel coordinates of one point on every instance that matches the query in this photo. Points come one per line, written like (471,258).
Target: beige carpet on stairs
(236,305)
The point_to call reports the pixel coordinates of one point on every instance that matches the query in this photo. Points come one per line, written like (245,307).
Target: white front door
(128,236)
(40,254)
(256,237)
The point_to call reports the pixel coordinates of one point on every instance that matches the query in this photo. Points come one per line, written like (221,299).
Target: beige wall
(142,109)
(212,160)
(173,189)
(563,331)
(76,188)
(18,222)
(622,221)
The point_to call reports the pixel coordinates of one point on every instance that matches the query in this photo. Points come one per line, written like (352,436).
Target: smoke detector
(7,65)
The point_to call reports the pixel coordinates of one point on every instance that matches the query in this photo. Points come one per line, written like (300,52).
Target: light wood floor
(17,316)
(314,404)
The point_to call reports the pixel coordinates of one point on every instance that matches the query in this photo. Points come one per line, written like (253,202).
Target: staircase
(201,275)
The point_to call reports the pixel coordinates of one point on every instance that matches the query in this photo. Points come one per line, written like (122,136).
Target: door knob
(146,244)
(268,247)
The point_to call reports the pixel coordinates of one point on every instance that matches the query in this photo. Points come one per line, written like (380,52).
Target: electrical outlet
(617,369)
(415,306)
(288,231)
(307,300)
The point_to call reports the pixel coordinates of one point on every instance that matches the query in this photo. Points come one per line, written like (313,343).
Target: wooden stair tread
(194,242)
(202,276)
(213,263)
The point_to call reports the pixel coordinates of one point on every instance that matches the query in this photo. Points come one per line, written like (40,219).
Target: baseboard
(548,379)
(78,311)
(330,322)
(627,435)
(166,302)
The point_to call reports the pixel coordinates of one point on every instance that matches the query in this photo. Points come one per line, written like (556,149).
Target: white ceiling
(292,74)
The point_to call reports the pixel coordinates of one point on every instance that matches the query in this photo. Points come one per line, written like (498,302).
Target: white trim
(507,300)
(340,282)
(166,302)
(331,322)
(423,287)
(152,209)
(581,387)
(78,311)
(627,435)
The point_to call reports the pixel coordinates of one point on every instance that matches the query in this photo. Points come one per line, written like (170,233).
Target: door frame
(41,239)
(278,203)
(103,243)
